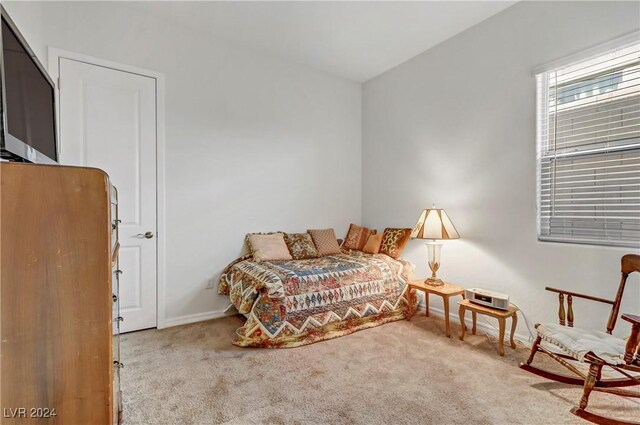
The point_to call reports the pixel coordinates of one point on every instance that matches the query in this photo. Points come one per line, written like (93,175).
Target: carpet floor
(398,373)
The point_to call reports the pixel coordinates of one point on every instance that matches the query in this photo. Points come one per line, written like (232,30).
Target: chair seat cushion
(578,342)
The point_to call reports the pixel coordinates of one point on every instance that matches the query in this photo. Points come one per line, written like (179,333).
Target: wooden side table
(501,315)
(446,291)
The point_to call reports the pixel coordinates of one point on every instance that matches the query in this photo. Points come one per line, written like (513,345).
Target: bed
(298,302)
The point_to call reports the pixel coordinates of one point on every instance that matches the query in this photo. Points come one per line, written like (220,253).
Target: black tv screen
(29,100)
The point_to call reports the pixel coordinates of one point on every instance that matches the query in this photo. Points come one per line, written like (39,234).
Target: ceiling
(354,40)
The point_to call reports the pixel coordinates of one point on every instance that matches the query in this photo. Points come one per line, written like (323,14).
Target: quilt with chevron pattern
(298,302)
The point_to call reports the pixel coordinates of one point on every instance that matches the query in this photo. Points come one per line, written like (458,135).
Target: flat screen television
(28,125)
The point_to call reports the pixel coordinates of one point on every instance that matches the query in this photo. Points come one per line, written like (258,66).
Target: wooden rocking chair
(597,349)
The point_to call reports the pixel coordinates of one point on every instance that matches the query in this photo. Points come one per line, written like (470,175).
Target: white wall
(456,126)
(252,143)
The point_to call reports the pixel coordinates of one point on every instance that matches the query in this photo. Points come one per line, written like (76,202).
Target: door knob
(147,235)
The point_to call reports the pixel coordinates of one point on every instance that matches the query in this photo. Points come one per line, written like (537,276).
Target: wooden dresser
(59,324)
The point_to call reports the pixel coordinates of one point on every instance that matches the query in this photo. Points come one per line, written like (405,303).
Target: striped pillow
(357,237)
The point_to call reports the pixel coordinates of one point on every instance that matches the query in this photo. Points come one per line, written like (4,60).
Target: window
(588,156)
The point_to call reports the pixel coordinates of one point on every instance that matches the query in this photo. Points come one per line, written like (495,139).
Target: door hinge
(58,83)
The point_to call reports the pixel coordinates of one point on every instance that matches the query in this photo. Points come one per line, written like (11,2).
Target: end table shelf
(501,315)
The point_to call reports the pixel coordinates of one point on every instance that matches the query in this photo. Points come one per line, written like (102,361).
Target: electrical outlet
(213,284)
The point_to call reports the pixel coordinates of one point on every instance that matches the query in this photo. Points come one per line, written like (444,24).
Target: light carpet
(399,373)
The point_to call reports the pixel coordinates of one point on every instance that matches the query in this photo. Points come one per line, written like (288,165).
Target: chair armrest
(566,317)
(632,318)
(575,294)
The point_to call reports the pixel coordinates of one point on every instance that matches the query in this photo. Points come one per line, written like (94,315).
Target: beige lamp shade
(434,224)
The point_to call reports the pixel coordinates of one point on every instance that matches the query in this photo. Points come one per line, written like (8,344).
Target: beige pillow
(373,244)
(325,241)
(268,247)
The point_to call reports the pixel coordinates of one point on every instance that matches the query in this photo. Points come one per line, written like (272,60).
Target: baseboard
(481,326)
(192,318)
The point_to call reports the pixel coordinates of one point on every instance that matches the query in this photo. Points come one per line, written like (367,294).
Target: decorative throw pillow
(393,241)
(325,241)
(247,242)
(357,237)
(373,244)
(300,245)
(270,247)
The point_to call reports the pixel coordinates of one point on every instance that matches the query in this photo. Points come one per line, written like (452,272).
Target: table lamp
(434,224)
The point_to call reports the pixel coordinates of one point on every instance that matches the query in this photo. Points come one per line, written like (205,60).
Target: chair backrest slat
(630,263)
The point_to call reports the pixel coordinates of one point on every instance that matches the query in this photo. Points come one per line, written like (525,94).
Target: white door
(108,121)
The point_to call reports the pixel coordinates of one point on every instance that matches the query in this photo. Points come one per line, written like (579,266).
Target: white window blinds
(588,136)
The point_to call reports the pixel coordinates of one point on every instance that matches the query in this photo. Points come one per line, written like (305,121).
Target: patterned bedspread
(298,302)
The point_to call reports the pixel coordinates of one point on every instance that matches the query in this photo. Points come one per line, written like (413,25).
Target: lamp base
(433,281)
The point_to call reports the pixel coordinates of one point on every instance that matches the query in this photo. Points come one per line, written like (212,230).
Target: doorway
(109,119)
